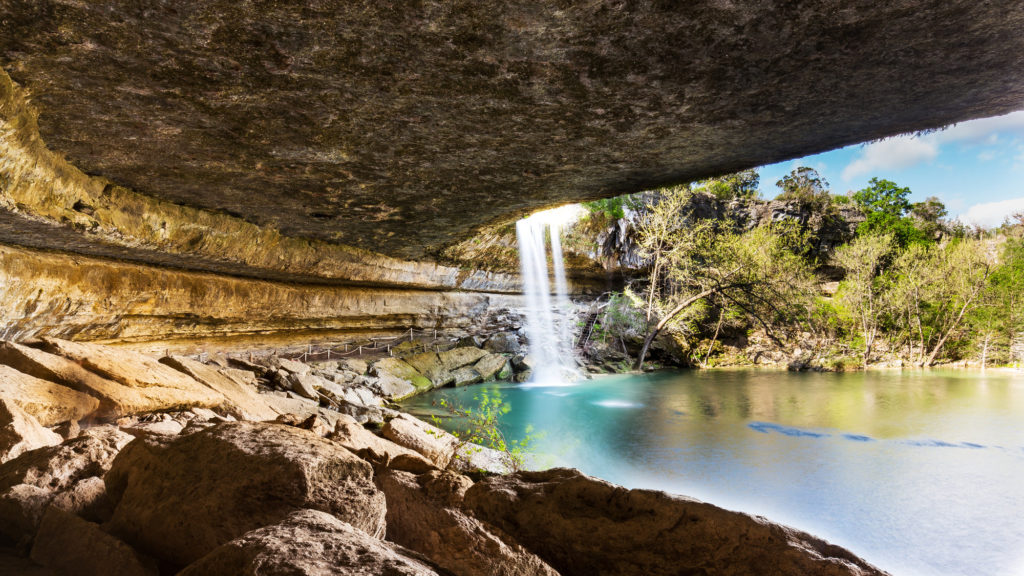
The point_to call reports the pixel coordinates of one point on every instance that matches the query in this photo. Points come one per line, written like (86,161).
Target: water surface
(921,473)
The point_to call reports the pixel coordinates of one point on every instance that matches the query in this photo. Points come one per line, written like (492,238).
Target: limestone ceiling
(400,127)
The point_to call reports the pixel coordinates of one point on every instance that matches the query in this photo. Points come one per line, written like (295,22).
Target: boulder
(68,476)
(115,399)
(469,341)
(492,366)
(355,365)
(465,376)
(361,413)
(400,369)
(238,386)
(310,543)
(435,444)
(302,407)
(20,432)
(581,526)
(171,389)
(459,357)
(423,516)
(305,385)
(430,366)
(394,388)
(293,366)
(47,402)
(503,343)
(178,500)
(350,433)
(71,545)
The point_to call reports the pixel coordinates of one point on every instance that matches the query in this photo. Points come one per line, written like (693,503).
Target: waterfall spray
(547,318)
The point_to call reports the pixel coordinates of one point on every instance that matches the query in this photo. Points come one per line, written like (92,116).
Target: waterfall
(547,319)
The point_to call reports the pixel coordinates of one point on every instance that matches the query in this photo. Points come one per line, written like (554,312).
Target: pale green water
(921,473)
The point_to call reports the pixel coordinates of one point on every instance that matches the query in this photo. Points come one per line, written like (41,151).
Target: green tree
(806,186)
(480,427)
(740,185)
(862,291)
(755,272)
(885,206)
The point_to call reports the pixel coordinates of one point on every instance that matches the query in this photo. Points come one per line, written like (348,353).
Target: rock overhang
(401,128)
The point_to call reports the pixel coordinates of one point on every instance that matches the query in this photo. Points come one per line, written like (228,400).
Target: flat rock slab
(48,402)
(244,402)
(310,543)
(67,476)
(178,500)
(115,398)
(20,432)
(414,434)
(583,526)
(174,389)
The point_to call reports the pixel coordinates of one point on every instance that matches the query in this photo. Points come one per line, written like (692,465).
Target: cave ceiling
(403,127)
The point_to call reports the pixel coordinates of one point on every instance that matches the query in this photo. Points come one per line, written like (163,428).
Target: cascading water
(547,319)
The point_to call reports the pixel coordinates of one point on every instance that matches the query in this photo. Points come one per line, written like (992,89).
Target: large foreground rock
(310,543)
(49,403)
(243,400)
(583,526)
(170,388)
(70,545)
(115,398)
(68,476)
(180,499)
(20,432)
(422,515)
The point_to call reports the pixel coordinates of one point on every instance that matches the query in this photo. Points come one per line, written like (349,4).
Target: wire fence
(374,347)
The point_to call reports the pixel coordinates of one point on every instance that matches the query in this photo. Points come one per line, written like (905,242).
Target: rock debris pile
(112,462)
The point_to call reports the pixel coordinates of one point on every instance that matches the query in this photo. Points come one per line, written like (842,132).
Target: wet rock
(400,369)
(459,357)
(237,386)
(430,366)
(232,478)
(583,526)
(47,402)
(67,476)
(465,376)
(170,388)
(310,543)
(423,516)
(20,432)
(71,545)
(503,343)
(492,366)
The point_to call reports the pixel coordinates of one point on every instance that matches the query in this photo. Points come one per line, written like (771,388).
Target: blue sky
(976,168)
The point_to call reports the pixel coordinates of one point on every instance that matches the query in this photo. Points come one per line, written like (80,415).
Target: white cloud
(894,153)
(992,214)
(907,151)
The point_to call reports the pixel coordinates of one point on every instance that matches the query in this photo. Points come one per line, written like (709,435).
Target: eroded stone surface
(310,543)
(582,526)
(180,499)
(395,127)
(20,432)
(48,402)
(71,545)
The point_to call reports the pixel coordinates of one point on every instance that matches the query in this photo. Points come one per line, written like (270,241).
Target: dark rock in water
(67,476)
(70,545)
(583,526)
(423,515)
(311,543)
(178,500)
